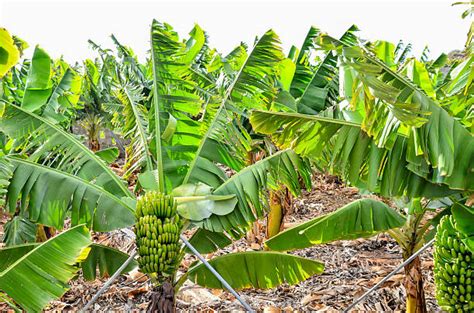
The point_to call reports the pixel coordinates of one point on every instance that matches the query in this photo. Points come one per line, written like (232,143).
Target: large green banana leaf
(207,241)
(41,275)
(9,53)
(256,76)
(459,88)
(223,141)
(342,147)
(50,89)
(38,83)
(249,187)
(174,100)
(193,147)
(320,89)
(57,148)
(64,97)
(439,148)
(35,185)
(303,72)
(107,260)
(129,117)
(358,219)
(261,270)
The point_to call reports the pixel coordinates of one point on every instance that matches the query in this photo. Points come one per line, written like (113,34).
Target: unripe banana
(452,268)
(455,269)
(450,242)
(456,244)
(448,268)
(157,233)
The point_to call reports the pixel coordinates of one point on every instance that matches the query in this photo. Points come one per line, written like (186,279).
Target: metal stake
(109,282)
(407,261)
(218,276)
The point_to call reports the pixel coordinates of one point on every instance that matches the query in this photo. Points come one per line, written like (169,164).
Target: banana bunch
(157,233)
(453,269)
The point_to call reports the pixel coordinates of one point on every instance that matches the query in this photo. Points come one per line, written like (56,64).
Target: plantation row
(214,143)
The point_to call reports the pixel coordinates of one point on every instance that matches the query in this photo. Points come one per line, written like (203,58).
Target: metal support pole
(109,282)
(218,276)
(407,261)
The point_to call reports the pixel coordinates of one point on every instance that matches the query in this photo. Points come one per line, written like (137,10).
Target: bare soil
(352,267)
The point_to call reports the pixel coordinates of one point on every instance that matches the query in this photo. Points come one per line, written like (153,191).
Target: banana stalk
(157,231)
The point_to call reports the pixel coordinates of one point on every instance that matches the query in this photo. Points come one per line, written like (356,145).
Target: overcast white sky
(63,27)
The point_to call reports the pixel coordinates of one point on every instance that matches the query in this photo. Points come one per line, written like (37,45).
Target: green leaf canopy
(342,147)
(49,142)
(33,184)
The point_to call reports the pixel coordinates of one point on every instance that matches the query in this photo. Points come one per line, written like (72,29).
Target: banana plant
(51,90)
(197,175)
(387,134)
(304,87)
(178,156)
(97,82)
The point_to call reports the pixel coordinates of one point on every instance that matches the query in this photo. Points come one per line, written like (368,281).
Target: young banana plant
(177,157)
(206,198)
(305,88)
(380,137)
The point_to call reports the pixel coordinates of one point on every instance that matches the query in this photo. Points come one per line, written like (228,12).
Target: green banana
(157,232)
(452,268)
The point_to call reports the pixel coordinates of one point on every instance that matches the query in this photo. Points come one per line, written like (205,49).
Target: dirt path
(351,268)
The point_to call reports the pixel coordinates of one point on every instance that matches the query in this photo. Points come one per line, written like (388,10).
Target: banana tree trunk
(94,144)
(416,302)
(163,299)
